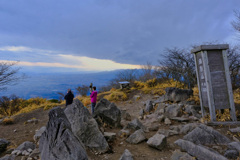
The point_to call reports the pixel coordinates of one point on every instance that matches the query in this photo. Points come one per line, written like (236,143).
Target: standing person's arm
(92,94)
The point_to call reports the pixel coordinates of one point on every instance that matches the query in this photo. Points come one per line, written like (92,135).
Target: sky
(103,35)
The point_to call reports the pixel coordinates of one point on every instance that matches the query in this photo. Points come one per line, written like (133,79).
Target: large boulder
(25,146)
(198,151)
(135,125)
(38,134)
(188,128)
(137,137)
(149,106)
(173,110)
(3,145)
(126,155)
(108,112)
(175,95)
(158,141)
(85,127)
(8,157)
(58,141)
(206,136)
(193,109)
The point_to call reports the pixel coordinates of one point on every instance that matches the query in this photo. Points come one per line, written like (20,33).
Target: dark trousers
(92,107)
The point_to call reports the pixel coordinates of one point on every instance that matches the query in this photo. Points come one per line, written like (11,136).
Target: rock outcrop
(3,145)
(126,155)
(206,136)
(58,141)
(173,110)
(137,137)
(135,125)
(108,112)
(85,127)
(158,141)
(198,151)
(38,134)
(149,106)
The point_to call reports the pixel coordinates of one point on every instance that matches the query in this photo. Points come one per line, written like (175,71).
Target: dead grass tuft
(7,121)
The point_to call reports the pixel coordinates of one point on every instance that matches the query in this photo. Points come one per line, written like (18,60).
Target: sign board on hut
(215,89)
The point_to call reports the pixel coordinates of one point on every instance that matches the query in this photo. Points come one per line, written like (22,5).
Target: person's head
(69,90)
(94,88)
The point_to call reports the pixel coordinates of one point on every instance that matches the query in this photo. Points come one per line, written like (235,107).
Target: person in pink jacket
(93,99)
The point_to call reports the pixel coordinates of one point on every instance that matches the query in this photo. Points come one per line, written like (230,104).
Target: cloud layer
(118,32)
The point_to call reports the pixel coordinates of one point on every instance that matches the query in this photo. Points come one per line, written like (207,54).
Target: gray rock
(38,135)
(58,141)
(177,95)
(153,127)
(160,118)
(188,128)
(109,113)
(160,108)
(167,133)
(177,154)
(35,121)
(8,157)
(167,121)
(158,141)
(9,151)
(25,153)
(176,128)
(35,153)
(149,106)
(137,137)
(26,145)
(135,125)
(198,151)
(109,136)
(235,130)
(173,110)
(206,136)
(85,127)
(189,108)
(125,115)
(3,145)
(123,133)
(231,154)
(235,139)
(141,113)
(234,146)
(126,155)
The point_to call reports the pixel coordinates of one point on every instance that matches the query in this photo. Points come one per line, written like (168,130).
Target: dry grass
(7,121)
(116,95)
(151,86)
(86,100)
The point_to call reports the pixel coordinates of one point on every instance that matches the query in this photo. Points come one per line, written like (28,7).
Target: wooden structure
(124,84)
(214,83)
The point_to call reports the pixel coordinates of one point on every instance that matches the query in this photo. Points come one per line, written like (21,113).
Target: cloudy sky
(98,35)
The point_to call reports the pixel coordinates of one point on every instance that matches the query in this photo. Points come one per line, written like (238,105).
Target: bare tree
(82,90)
(61,96)
(147,72)
(178,64)
(234,66)
(236,23)
(9,74)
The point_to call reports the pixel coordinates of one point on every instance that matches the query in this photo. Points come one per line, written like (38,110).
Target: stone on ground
(187,157)
(173,110)
(167,133)
(109,113)
(231,154)
(167,121)
(149,106)
(135,125)
(188,128)
(198,151)
(206,136)
(25,146)
(85,127)
(158,141)
(3,145)
(38,134)
(8,157)
(126,155)
(109,136)
(177,95)
(177,154)
(137,137)
(58,141)
(125,115)
(235,130)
